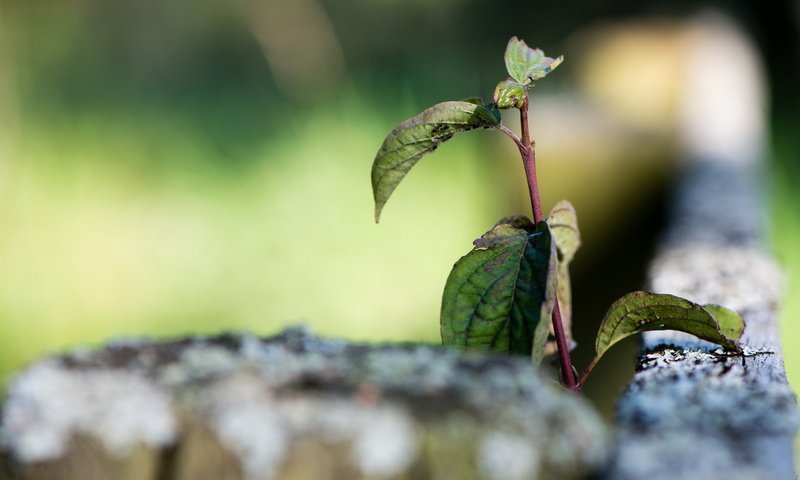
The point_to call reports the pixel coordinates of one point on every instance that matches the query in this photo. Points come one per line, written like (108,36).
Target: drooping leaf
(417,136)
(730,323)
(509,94)
(500,296)
(526,64)
(563,222)
(642,311)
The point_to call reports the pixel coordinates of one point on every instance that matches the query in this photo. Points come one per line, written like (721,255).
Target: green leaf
(730,323)
(500,296)
(526,64)
(474,100)
(563,222)
(509,94)
(642,311)
(417,136)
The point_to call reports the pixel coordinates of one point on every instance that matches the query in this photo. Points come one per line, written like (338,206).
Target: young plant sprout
(511,292)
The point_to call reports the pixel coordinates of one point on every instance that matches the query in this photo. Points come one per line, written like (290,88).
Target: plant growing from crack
(511,292)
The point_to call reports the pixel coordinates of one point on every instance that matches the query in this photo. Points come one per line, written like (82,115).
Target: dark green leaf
(642,311)
(500,296)
(563,223)
(730,323)
(415,137)
(509,94)
(526,64)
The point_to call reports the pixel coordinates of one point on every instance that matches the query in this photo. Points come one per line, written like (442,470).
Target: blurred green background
(172,167)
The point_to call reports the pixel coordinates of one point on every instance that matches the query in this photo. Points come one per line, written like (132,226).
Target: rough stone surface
(693,411)
(293,406)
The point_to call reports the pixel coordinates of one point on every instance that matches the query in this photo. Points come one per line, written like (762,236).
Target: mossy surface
(293,406)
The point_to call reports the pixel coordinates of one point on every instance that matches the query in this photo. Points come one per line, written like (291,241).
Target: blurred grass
(94,245)
(785,232)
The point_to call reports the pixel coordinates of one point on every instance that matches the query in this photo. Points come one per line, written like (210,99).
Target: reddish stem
(567,370)
(529,161)
(528,152)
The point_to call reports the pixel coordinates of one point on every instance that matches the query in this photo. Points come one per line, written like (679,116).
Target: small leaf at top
(563,222)
(526,64)
(417,136)
(509,94)
(500,296)
(642,311)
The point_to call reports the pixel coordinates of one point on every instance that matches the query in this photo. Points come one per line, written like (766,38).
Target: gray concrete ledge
(293,406)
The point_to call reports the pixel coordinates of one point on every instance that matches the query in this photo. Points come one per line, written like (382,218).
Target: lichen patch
(503,456)
(49,404)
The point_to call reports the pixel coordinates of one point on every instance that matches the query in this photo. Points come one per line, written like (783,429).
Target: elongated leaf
(526,64)
(563,222)
(509,94)
(642,311)
(500,296)
(415,137)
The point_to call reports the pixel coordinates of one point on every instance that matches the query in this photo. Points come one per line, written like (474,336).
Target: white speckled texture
(241,413)
(260,405)
(49,404)
(508,457)
(384,444)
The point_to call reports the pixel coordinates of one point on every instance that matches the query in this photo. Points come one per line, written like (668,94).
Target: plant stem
(510,134)
(528,152)
(567,370)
